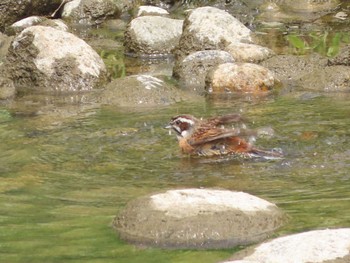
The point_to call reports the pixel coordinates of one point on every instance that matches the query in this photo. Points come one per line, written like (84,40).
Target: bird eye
(177,122)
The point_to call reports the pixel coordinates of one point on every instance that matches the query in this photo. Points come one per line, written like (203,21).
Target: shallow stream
(62,182)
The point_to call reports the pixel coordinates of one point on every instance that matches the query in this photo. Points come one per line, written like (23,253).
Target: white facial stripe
(191,122)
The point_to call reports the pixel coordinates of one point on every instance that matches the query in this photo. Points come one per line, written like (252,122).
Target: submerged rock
(328,79)
(311,6)
(239,77)
(312,72)
(50,60)
(152,36)
(207,28)
(141,91)
(198,218)
(295,10)
(289,68)
(330,245)
(192,70)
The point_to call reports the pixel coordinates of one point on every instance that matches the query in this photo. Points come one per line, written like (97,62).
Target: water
(62,181)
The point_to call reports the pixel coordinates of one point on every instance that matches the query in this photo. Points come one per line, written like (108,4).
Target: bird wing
(202,136)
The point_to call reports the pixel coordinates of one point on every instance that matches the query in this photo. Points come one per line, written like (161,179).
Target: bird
(211,137)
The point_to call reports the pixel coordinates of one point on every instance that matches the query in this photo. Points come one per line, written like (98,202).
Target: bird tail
(273,154)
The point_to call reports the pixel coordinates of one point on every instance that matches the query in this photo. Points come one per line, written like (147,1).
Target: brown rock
(239,77)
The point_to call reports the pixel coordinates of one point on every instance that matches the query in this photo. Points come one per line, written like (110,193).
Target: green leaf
(334,48)
(296,41)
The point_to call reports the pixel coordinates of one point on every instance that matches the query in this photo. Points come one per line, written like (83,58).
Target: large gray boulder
(328,246)
(192,70)
(207,28)
(49,60)
(152,36)
(90,12)
(198,218)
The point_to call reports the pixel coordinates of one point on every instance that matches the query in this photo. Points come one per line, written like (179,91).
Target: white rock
(69,7)
(217,25)
(190,202)
(312,247)
(198,218)
(53,44)
(26,22)
(59,60)
(152,35)
(242,52)
(36,20)
(151,10)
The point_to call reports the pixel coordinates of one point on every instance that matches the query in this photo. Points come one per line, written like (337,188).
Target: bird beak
(168,126)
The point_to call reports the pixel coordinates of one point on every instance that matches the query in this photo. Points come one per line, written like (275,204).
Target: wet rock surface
(50,60)
(289,68)
(192,70)
(239,77)
(330,245)
(141,91)
(198,218)
(292,11)
(328,79)
(311,72)
(310,6)
(152,36)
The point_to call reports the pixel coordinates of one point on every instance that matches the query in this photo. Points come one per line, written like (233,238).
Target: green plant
(323,43)
(114,62)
